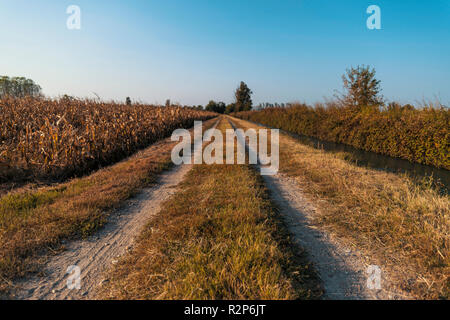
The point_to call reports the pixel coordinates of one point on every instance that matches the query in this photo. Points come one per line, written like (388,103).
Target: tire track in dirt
(343,271)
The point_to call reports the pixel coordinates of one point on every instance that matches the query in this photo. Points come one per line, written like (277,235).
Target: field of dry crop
(57,139)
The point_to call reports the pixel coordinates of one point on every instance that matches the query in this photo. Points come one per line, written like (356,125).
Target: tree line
(18,87)
(243,101)
(361,88)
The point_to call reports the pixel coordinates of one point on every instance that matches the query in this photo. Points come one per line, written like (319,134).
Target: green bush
(417,135)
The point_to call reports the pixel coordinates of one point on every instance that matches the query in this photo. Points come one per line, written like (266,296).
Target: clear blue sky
(194,50)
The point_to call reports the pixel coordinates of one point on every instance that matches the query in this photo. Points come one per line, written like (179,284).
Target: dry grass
(33,221)
(218,238)
(402,225)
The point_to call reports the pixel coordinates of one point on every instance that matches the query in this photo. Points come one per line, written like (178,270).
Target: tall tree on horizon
(243,98)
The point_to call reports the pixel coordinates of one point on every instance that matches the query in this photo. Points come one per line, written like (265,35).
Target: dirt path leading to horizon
(343,270)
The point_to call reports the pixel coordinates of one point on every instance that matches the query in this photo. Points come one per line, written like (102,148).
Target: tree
(128,101)
(168,104)
(18,87)
(230,108)
(362,88)
(220,108)
(243,98)
(213,106)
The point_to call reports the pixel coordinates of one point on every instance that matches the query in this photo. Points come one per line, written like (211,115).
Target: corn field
(57,139)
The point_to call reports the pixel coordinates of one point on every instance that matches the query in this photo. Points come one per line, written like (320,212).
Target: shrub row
(417,135)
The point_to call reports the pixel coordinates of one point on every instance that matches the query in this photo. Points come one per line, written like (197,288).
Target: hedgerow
(417,135)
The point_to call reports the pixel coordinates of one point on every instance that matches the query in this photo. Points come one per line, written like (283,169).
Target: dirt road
(343,270)
(94,255)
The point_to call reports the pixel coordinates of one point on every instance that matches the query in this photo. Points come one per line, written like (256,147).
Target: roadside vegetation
(360,118)
(219,237)
(35,221)
(401,225)
(59,139)
(420,136)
